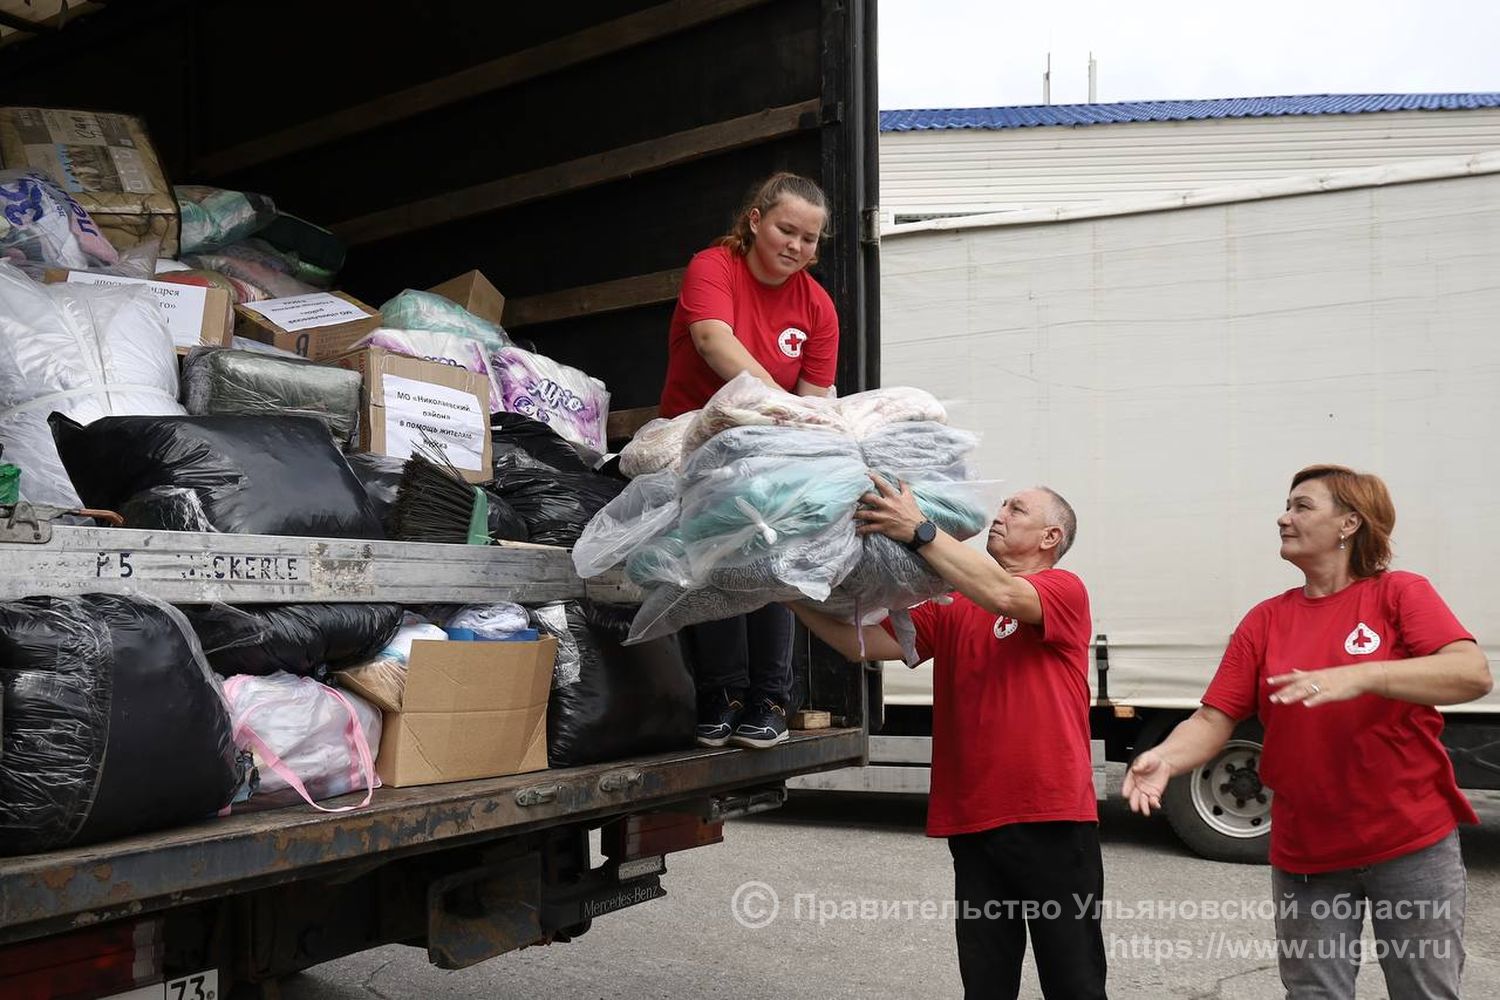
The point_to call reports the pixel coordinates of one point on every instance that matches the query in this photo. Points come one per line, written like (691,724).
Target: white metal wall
(969,171)
(1168,371)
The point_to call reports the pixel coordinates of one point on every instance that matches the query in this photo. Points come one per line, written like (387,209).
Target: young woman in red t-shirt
(748,305)
(1344,673)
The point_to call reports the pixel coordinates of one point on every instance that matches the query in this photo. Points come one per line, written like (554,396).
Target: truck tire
(1221,810)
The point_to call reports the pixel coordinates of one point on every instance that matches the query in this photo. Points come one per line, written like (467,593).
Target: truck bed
(69,889)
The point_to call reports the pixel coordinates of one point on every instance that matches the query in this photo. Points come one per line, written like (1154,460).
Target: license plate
(198,986)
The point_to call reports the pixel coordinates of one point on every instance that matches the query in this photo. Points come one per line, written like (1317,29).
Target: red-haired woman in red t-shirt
(748,305)
(1344,673)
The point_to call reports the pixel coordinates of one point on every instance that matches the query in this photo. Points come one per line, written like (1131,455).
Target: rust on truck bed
(61,890)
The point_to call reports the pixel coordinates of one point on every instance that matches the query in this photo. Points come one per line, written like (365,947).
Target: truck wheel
(1221,810)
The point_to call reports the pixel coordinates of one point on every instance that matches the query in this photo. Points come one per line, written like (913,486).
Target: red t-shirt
(792,329)
(1356,782)
(1010,711)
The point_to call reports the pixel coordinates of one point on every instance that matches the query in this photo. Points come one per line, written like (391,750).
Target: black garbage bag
(555,505)
(261,475)
(611,701)
(524,441)
(309,640)
(380,475)
(112,723)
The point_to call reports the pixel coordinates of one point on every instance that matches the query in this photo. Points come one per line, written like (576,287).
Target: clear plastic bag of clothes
(113,723)
(213,217)
(933,459)
(746,401)
(797,571)
(415,310)
(81,350)
(646,508)
(259,271)
(216,381)
(46,225)
(490,621)
(572,403)
(656,446)
(309,741)
(755,506)
(765,514)
(875,409)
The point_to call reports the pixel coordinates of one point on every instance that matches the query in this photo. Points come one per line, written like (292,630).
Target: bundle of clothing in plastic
(213,217)
(44,224)
(217,381)
(432,313)
(762,509)
(84,351)
(309,741)
(113,723)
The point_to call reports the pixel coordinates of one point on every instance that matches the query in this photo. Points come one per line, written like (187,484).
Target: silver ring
(1314,688)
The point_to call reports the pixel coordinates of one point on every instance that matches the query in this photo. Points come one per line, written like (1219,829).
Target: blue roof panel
(1176,111)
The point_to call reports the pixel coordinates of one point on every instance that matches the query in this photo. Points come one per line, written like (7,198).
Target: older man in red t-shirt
(1012,788)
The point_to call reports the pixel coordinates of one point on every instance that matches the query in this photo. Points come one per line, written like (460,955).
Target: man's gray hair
(1064,518)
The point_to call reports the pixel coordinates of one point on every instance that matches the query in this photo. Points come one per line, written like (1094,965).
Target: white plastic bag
(82,350)
(646,508)
(310,741)
(491,621)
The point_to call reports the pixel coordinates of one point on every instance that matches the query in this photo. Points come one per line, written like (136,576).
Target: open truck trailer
(578,154)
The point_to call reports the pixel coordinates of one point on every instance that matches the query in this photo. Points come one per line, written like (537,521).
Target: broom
(435,504)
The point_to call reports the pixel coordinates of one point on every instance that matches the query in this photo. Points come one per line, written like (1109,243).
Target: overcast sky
(981,53)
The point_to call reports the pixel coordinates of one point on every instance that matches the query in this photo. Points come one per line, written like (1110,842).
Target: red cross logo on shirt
(1005,626)
(790,341)
(1362,641)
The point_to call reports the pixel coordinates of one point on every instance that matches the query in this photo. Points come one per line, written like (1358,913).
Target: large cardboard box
(319,326)
(196,315)
(470,710)
(410,403)
(105,162)
(473,291)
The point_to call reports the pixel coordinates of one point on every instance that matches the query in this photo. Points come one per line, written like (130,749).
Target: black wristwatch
(925,533)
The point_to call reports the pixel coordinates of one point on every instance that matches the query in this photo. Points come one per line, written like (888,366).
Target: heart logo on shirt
(790,341)
(1004,627)
(1362,641)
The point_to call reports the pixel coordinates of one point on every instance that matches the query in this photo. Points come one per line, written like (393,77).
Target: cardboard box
(470,710)
(473,291)
(404,398)
(105,162)
(319,326)
(196,315)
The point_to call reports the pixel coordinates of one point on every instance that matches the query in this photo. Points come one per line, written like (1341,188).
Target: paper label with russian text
(421,416)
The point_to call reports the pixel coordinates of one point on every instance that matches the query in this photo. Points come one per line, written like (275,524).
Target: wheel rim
(1227,793)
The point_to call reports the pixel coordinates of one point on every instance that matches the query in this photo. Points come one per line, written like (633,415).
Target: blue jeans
(1416,906)
(748,654)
